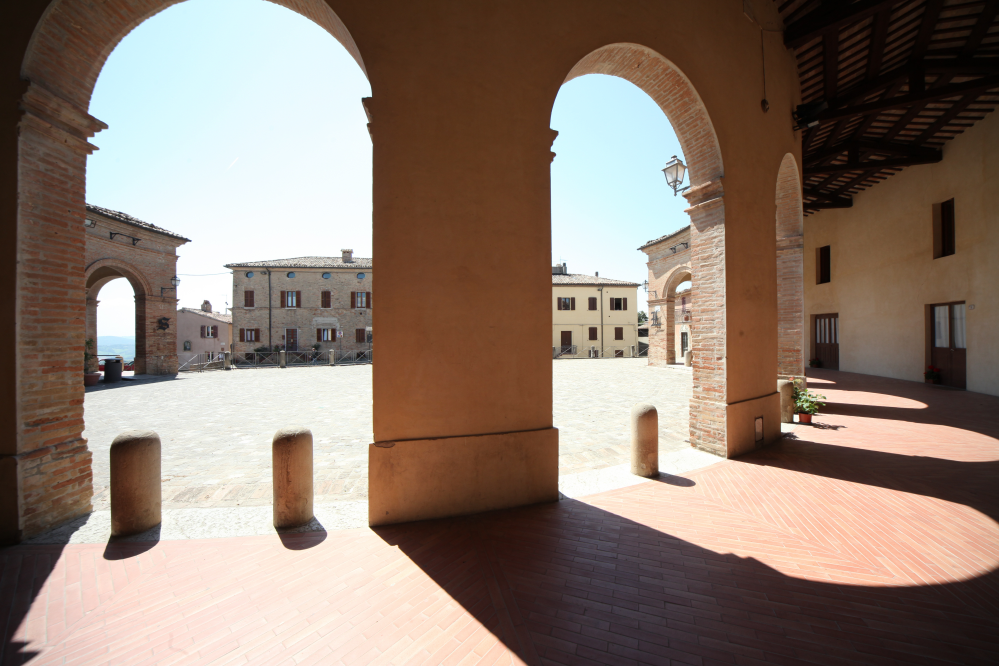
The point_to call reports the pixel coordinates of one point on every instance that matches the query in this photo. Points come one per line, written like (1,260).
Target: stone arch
(674,278)
(663,81)
(74,39)
(790,267)
(64,58)
(102,271)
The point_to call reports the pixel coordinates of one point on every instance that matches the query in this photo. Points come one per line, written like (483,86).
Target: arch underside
(661,80)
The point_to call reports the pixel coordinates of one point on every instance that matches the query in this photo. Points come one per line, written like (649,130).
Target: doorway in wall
(948,349)
(291,339)
(684,342)
(827,340)
(566,342)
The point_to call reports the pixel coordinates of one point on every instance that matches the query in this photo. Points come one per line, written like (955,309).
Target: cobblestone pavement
(216,427)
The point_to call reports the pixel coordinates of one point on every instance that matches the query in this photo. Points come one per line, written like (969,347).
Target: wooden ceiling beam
(872,165)
(830,18)
(910,99)
(872,147)
(981,29)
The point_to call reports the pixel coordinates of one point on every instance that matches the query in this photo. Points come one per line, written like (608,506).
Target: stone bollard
(282,359)
(786,390)
(136,496)
(292,473)
(644,440)
(227,360)
(688,358)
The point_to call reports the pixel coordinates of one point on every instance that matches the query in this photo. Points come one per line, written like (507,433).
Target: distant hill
(117,344)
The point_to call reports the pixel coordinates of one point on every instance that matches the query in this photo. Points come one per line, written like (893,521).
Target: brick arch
(790,269)
(680,274)
(102,271)
(65,55)
(75,37)
(663,81)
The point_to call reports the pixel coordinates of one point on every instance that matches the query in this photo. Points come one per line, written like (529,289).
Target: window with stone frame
(325,334)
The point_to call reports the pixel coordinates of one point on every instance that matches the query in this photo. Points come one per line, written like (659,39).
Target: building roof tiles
(578,279)
(305,262)
(134,221)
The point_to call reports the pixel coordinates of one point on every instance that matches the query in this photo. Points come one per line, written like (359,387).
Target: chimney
(348,256)
(597,274)
(206,306)
(560,269)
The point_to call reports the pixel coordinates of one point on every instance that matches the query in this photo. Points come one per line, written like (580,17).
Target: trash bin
(112,370)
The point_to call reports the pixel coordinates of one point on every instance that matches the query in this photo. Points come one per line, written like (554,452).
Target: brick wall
(148,265)
(790,267)
(309,315)
(674,94)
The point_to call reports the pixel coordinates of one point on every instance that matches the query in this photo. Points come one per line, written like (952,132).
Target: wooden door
(291,339)
(948,346)
(684,344)
(566,342)
(827,340)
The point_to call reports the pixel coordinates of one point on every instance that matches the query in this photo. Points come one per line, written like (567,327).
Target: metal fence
(203,361)
(350,357)
(595,352)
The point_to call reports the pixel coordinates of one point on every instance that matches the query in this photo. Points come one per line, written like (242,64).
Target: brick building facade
(298,303)
(121,246)
(669,266)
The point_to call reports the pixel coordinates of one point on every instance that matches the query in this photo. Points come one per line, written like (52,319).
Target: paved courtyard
(216,427)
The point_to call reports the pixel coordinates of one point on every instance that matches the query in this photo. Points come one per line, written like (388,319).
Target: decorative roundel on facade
(327,276)
(249,274)
(291,274)
(360,276)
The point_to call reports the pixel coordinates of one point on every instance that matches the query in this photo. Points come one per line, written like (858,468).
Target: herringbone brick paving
(868,539)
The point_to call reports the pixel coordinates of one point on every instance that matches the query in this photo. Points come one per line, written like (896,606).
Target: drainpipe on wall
(269,311)
(600,290)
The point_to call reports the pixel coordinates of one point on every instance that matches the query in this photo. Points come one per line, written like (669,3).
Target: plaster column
(461,187)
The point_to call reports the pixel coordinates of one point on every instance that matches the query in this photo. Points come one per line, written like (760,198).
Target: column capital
(58,118)
(705,195)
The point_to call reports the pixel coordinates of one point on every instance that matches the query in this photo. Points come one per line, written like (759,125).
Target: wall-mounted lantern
(674,170)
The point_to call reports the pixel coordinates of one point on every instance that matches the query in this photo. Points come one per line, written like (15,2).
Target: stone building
(593,317)
(298,303)
(202,330)
(669,267)
(682,309)
(121,246)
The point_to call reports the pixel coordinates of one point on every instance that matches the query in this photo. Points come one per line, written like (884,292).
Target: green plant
(815,363)
(806,402)
(642,317)
(88,357)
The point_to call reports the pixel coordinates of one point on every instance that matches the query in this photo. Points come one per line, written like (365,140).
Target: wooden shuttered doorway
(827,340)
(248,299)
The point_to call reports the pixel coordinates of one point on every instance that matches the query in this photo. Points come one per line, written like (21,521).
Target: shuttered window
(593,332)
(283,300)
(619,332)
(359,335)
(248,298)
(619,304)
(242,335)
(327,299)
(214,332)
(360,299)
(249,335)
(291,299)
(593,304)
(367,299)
(353,299)
(202,331)
(325,334)
(566,302)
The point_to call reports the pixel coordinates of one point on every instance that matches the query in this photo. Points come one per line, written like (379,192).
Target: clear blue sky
(239,125)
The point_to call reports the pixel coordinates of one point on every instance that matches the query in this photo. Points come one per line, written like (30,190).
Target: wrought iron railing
(203,361)
(342,357)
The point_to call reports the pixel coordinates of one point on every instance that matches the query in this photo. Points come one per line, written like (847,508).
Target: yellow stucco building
(593,317)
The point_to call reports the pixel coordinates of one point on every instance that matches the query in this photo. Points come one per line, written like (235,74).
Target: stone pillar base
(740,427)
(452,476)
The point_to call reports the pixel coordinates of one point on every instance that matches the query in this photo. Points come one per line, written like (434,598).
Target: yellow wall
(884,274)
(579,320)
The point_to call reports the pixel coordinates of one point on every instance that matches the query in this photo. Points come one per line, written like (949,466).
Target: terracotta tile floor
(870,538)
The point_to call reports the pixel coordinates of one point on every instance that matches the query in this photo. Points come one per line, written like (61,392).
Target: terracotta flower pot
(91,378)
(805,418)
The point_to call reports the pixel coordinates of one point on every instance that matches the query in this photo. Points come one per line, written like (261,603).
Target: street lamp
(674,170)
(174,281)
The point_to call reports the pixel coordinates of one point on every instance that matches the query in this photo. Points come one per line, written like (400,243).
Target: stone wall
(669,266)
(309,315)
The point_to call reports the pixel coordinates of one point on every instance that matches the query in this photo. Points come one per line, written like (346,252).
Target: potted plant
(806,404)
(91,373)
(815,363)
(932,375)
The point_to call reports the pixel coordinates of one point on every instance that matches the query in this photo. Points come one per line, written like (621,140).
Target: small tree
(89,359)
(642,317)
